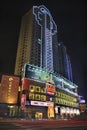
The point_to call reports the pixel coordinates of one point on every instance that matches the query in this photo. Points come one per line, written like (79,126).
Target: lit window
(31,96)
(32,88)
(43,98)
(43,90)
(37,97)
(37,89)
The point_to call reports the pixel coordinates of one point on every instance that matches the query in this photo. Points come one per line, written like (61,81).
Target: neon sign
(50,89)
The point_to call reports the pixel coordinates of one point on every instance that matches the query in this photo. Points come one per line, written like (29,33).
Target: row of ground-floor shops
(35,112)
(38,112)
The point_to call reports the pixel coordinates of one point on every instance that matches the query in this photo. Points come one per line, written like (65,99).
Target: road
(43,125)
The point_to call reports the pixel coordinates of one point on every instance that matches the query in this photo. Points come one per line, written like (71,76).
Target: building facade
(35,39)
(38,44)
(9,91)
(64,64)
(45,69)
(46,95)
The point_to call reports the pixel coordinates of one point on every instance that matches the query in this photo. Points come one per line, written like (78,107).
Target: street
(43,125)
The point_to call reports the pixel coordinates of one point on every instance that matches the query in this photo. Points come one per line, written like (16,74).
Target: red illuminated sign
(50,89)
(25,83)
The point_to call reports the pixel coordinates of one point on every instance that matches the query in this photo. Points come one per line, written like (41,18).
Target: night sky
(70,18)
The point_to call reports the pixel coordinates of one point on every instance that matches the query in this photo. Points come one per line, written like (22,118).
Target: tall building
(63,64)
(35,39)
(38,44)
(39,58)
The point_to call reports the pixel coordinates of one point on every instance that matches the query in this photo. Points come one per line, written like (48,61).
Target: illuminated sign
(50,112)
(25,83)
(82,101)
(38,103)
(35,73)
(50,89)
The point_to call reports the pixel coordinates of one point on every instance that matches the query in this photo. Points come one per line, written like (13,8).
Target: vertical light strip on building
(38,19)
(47,35)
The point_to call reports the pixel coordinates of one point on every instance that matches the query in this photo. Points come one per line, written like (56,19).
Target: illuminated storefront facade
(49,96)
(43,95)
(66,105)
(39,99)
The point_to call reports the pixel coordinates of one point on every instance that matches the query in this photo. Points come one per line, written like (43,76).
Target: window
(37,89)
(37,97)
(43,98)
(31,96)
(32,88)
(43,90)
(58,94)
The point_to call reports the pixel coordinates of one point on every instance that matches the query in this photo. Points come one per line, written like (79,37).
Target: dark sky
(70,17)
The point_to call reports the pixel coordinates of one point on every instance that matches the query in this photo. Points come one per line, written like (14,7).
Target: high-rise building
(63,64)
(41,59)
(35,45)
(38,44)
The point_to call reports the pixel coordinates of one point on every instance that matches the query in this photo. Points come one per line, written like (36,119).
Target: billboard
(36,73)
(40,74)
(50,89)
(9,89)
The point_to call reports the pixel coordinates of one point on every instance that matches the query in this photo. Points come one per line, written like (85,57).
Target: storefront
(47,95)
(38,110)
(66,112)
(7,110)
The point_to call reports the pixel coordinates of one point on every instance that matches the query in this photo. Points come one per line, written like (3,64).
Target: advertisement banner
(39,103)
(50,89)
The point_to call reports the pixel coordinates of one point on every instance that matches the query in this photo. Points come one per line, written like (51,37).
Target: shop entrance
(38,115)
(50,112)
